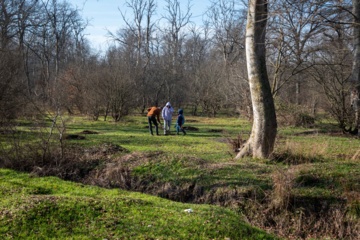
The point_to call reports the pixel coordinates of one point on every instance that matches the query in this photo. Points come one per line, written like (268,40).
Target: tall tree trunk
(264,129)
(356,64)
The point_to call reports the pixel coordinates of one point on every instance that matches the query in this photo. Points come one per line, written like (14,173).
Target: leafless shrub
(283,182)
(304,120)
(294,115)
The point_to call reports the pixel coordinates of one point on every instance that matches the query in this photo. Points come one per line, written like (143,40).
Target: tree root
(245,151)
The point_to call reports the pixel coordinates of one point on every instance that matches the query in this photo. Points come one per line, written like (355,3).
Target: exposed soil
(74,137)
(190,128)
(89,132)
(216,130)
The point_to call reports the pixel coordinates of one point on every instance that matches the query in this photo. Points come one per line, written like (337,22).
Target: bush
(304,120)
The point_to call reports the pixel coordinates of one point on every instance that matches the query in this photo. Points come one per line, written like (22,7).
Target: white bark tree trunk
(264,129)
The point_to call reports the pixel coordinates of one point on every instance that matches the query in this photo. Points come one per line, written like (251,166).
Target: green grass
(179,157)
(45,208)
(132,134)
(325,163)
(327,154)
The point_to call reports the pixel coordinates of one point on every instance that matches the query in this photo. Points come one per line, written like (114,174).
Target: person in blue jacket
(180,122)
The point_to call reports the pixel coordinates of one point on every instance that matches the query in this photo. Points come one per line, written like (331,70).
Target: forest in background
(47,63)
(53,88)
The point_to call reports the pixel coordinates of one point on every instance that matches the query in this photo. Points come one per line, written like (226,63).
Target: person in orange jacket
(154,117)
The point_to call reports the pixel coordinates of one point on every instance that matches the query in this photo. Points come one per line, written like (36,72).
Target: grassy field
(310,188)
(50,208)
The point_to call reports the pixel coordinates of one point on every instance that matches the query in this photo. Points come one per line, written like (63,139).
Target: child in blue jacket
(180,122)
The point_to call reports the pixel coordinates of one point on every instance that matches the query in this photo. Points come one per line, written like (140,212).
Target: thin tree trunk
(264,129)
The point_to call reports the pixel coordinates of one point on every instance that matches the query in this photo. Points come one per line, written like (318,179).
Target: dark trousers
(153,120)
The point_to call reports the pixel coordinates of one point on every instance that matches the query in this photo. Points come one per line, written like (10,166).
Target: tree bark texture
(262,138)
(355,101)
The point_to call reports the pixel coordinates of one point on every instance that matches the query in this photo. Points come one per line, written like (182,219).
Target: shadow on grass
(295,159)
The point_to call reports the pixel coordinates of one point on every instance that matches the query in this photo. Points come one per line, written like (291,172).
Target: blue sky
(104,16)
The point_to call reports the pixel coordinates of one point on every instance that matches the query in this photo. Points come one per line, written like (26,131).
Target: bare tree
(227,21)
(174,36)
(208,88)
(331,73)
(197,57)
(262,138)
(11,87)
(14,20)
(293,33)
(355,95)
(137,37)
(331,63)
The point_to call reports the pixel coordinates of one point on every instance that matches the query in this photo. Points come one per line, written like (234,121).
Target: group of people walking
(166,112)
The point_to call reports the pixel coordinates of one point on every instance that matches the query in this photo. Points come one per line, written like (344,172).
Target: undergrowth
(308,189)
